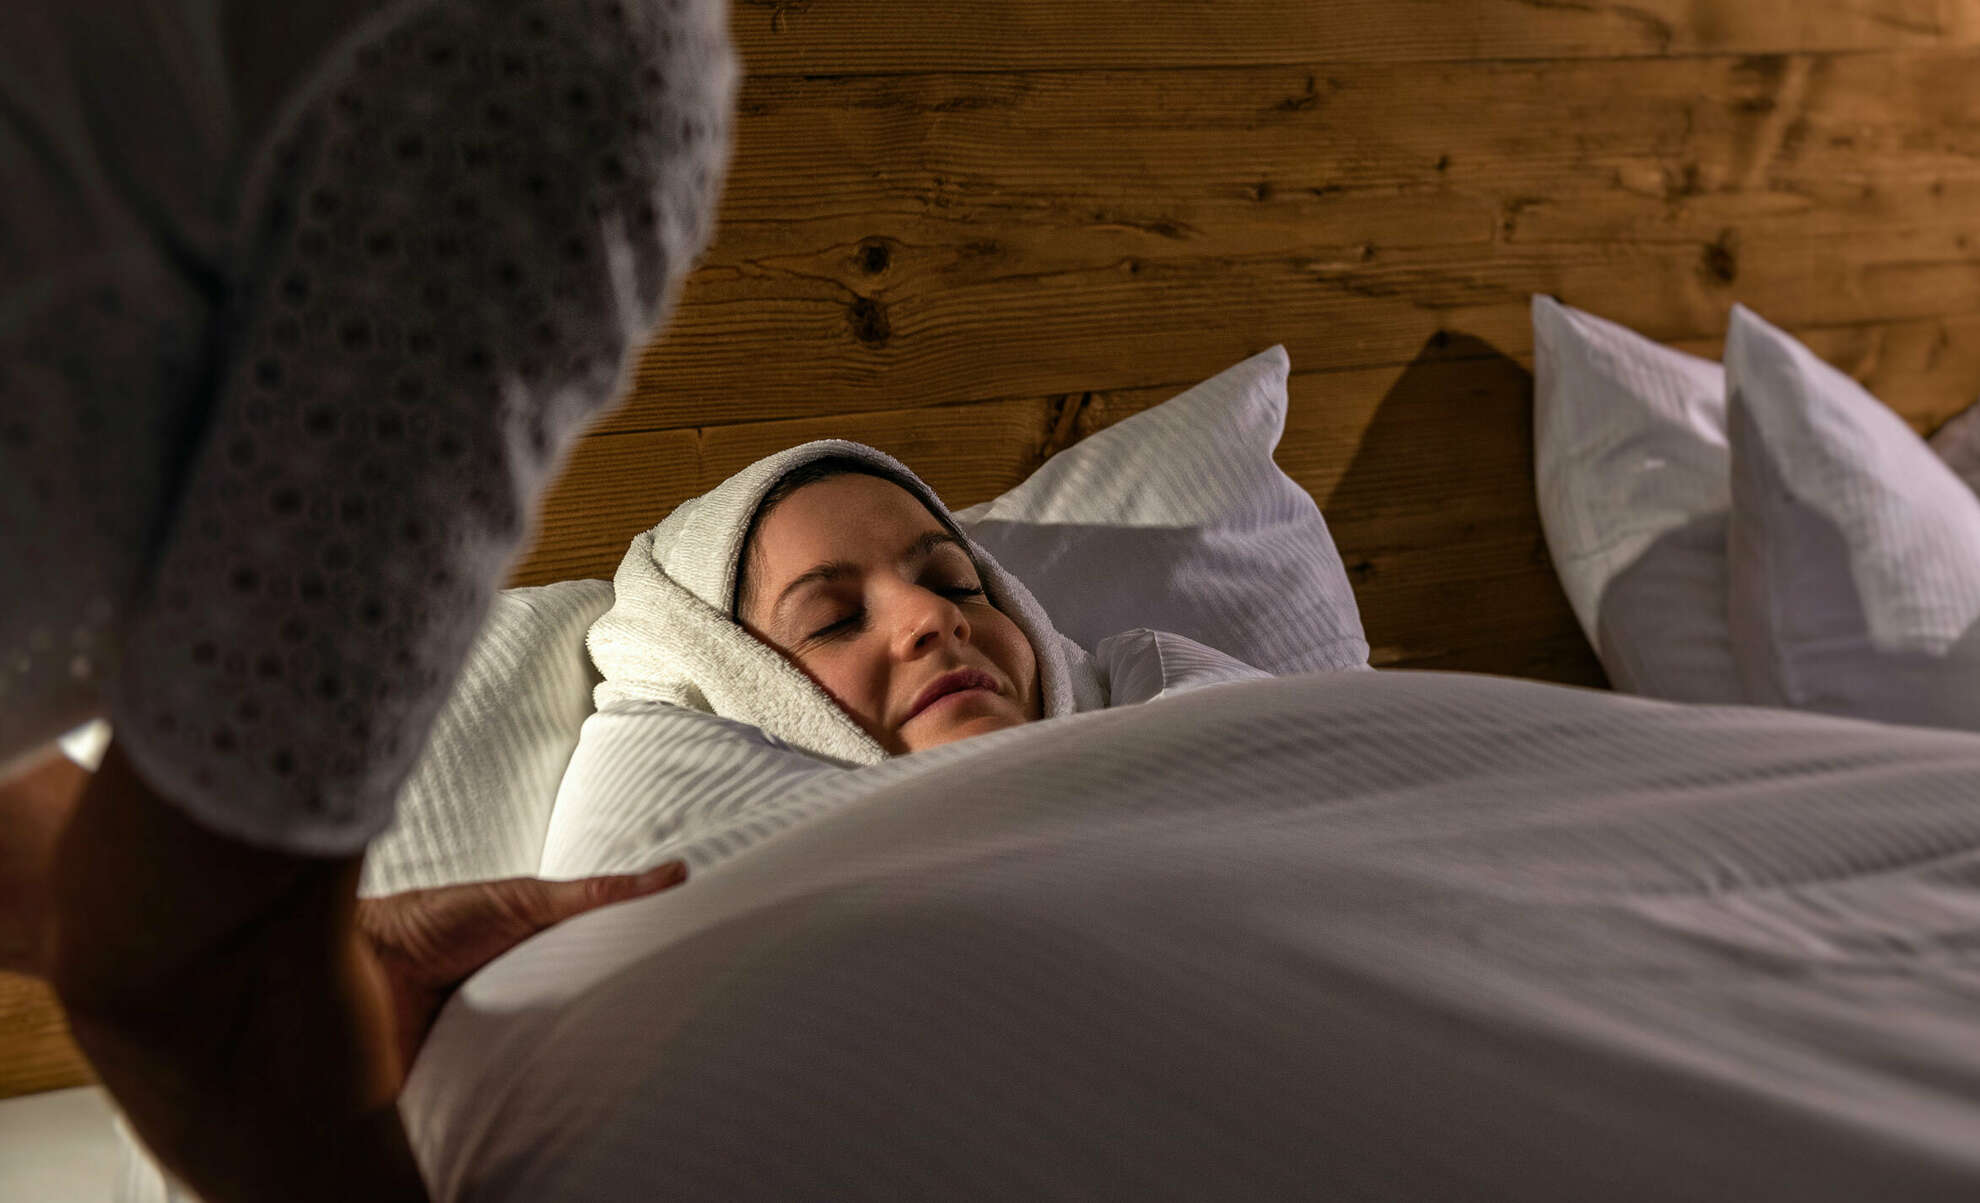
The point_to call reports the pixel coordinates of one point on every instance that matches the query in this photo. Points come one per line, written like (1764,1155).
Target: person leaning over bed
(303,305)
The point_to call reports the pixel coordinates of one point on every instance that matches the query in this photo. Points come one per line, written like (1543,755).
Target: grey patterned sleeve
(457,244)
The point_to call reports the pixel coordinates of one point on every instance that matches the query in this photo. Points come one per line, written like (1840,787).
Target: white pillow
(1958,443)
(1630,465)
(477,805)
(1144,665)
(1855,551)
(1633,474)
(1177,519)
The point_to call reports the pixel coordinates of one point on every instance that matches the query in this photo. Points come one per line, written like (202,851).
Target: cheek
(1034,699)
(858,685)
(1014,652)
(849,678)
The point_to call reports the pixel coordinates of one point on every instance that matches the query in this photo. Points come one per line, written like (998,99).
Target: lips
(948,683)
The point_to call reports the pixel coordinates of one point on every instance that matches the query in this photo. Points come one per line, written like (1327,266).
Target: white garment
(292,338)
(668,636)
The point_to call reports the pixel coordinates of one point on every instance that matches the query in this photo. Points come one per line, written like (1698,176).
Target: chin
(980,724)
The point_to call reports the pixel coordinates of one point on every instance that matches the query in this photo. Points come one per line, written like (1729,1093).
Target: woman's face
(856,583)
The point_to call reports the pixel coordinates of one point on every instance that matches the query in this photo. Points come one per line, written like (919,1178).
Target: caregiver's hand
(427,942)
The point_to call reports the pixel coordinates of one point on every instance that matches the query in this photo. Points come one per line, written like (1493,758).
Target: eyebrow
(834,570)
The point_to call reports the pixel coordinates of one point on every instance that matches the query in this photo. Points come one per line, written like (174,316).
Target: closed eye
(847,624)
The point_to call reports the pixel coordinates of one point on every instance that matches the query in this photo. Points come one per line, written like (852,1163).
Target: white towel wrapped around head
(668,636)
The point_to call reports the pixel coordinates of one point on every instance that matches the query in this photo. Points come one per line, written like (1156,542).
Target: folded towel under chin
(668,636)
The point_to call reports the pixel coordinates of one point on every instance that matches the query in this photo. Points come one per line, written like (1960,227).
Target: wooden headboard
(970,235)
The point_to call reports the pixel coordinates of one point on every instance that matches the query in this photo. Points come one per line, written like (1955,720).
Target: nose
(927,617)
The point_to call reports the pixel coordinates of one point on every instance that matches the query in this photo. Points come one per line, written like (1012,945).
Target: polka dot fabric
(481,214)
(81,483)
(104,313)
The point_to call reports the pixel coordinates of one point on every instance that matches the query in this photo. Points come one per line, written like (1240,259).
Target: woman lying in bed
(1413,935)
(826,596)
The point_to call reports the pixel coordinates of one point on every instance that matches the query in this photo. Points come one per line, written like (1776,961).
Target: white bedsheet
(1399,936)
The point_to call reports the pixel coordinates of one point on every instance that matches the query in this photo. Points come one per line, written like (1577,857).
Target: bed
(975,238)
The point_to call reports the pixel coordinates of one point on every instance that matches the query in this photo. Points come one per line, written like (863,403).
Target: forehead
(844,517)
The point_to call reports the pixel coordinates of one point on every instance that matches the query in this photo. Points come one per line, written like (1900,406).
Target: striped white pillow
(1178,519)
(1633,471)
(1958,443)
(1630,462)
(1854,550)
(477,805)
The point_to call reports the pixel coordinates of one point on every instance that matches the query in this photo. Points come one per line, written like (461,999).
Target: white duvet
(1399,936)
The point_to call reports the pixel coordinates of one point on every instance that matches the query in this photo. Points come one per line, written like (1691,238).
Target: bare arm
(34,805)
(224,996)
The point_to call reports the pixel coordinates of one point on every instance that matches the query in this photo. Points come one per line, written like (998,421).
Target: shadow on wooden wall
(1437,521)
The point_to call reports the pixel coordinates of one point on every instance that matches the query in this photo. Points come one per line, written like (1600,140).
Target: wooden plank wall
(969,234)
(947,226)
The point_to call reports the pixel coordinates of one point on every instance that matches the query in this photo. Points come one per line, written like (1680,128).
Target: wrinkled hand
(427,942)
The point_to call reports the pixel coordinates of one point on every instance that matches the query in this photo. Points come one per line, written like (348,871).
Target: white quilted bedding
(1399,936)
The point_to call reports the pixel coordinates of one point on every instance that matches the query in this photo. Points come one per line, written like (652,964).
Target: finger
(661,876)
(568,898)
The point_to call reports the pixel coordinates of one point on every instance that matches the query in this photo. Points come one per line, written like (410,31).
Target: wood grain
(946,254)
(906,241)
(36,1052)
(813,37)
